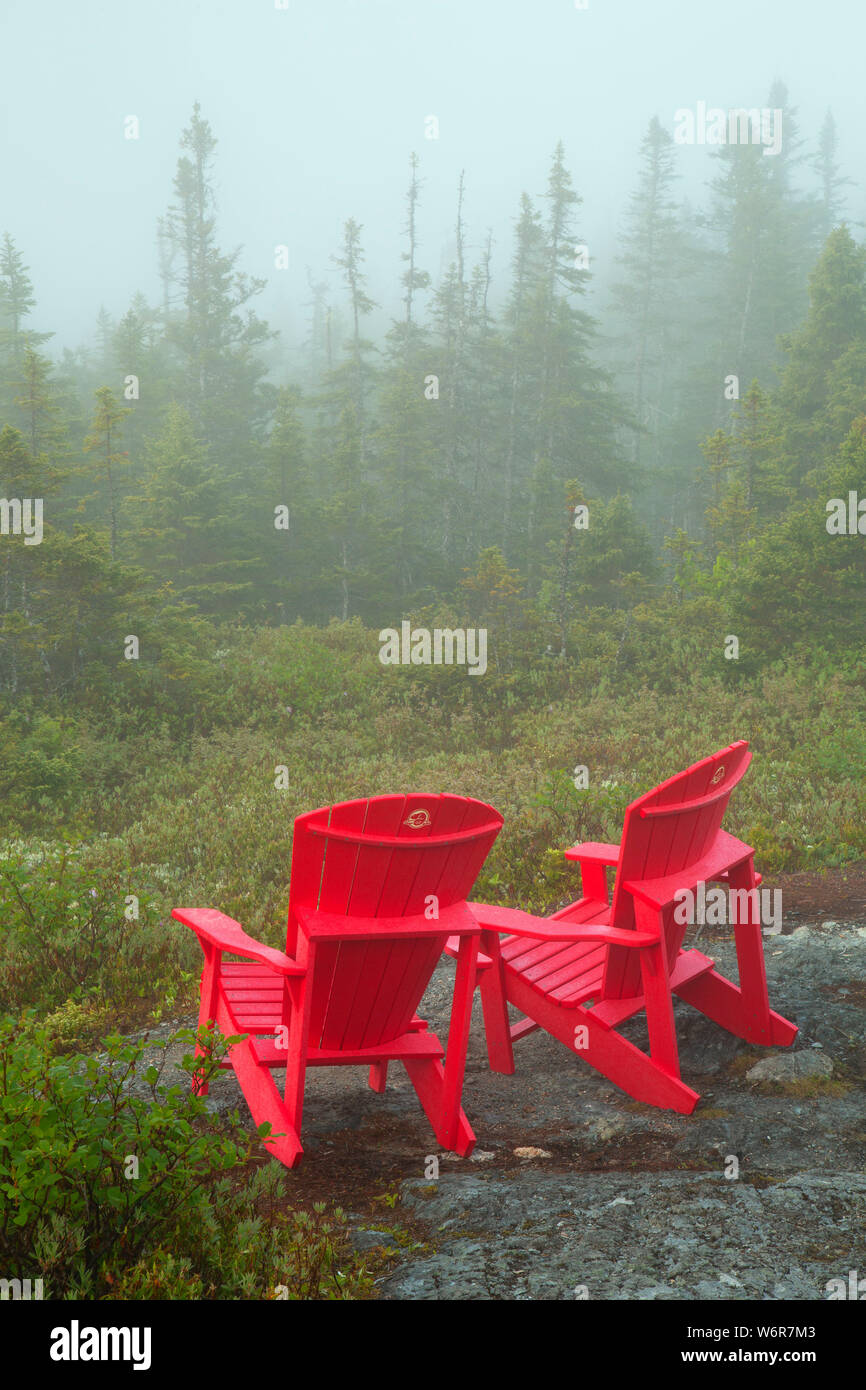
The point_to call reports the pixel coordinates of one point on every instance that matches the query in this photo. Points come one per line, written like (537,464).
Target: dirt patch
(852,992)
(818,896)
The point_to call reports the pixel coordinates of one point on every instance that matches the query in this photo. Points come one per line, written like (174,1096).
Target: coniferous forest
(634,462)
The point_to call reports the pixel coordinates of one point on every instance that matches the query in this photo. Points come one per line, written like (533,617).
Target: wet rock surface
(533,1235)
(791,1066)
(630,1202)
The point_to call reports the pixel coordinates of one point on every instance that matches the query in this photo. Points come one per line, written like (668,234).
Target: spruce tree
(110,461)
(38,401)
(521,371)
(765,237)
(407,436)
(658,329)
(214,330)
(821,386)
(831,181)
(576,412)
(17,300)
(181,529)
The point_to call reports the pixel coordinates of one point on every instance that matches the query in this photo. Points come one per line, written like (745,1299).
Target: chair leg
(266,1105)
(428,1077)
(657,994)
(296,1062)
(745,1010)
(458,1037)
(719,999)
(209,990)
(500,1052)
(750,959)
(378,1076)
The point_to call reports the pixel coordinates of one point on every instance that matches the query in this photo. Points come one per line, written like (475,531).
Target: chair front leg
(500,1051)
(208,1008)
(458,1036)
(378,1076)
(301,998)
(593,880)
(657,993)
(750,955)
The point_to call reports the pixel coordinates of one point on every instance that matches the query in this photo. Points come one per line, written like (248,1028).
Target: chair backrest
(665,832)
(383,856)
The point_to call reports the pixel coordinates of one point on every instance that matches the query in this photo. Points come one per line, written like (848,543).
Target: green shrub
(65,933)
(108,1194)
(41,767)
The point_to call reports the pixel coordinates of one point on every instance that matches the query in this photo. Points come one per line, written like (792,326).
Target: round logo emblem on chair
(718,774)
(416,819)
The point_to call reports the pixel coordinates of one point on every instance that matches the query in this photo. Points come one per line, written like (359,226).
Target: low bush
(77,925)
(111,1194)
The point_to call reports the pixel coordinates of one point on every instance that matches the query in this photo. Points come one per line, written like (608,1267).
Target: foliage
(77,925)
(110,1194)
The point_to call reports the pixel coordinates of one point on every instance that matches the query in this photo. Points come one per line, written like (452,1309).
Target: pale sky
(317,106)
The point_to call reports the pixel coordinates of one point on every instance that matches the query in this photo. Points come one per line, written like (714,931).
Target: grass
(805,1087)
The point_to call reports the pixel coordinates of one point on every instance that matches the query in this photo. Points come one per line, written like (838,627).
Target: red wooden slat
(255,1008)
(524,953)
(457,920)
(543,962)
(655,847)
(680,841)
(589,910)
(372,863)
(416,826)
(573,992)
(307,858)
(416,977)
(724,786)
(569,971)
(406,974)
(333,893)
(409,1045)
(241,989)
(402,841)
(458,869)
(406,968)
(247,970)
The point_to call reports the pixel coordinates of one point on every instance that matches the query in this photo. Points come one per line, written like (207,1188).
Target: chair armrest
(228,935)
(594,852)
(725,854)
(517,923)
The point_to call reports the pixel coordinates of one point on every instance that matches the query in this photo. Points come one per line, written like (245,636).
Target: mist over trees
(699,408)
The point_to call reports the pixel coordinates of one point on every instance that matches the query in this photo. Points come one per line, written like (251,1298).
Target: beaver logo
(416,819)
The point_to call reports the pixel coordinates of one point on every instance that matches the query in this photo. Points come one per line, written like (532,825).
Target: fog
(318,105)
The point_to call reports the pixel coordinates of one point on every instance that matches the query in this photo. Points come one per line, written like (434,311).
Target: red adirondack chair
(588,968)
(377,887)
